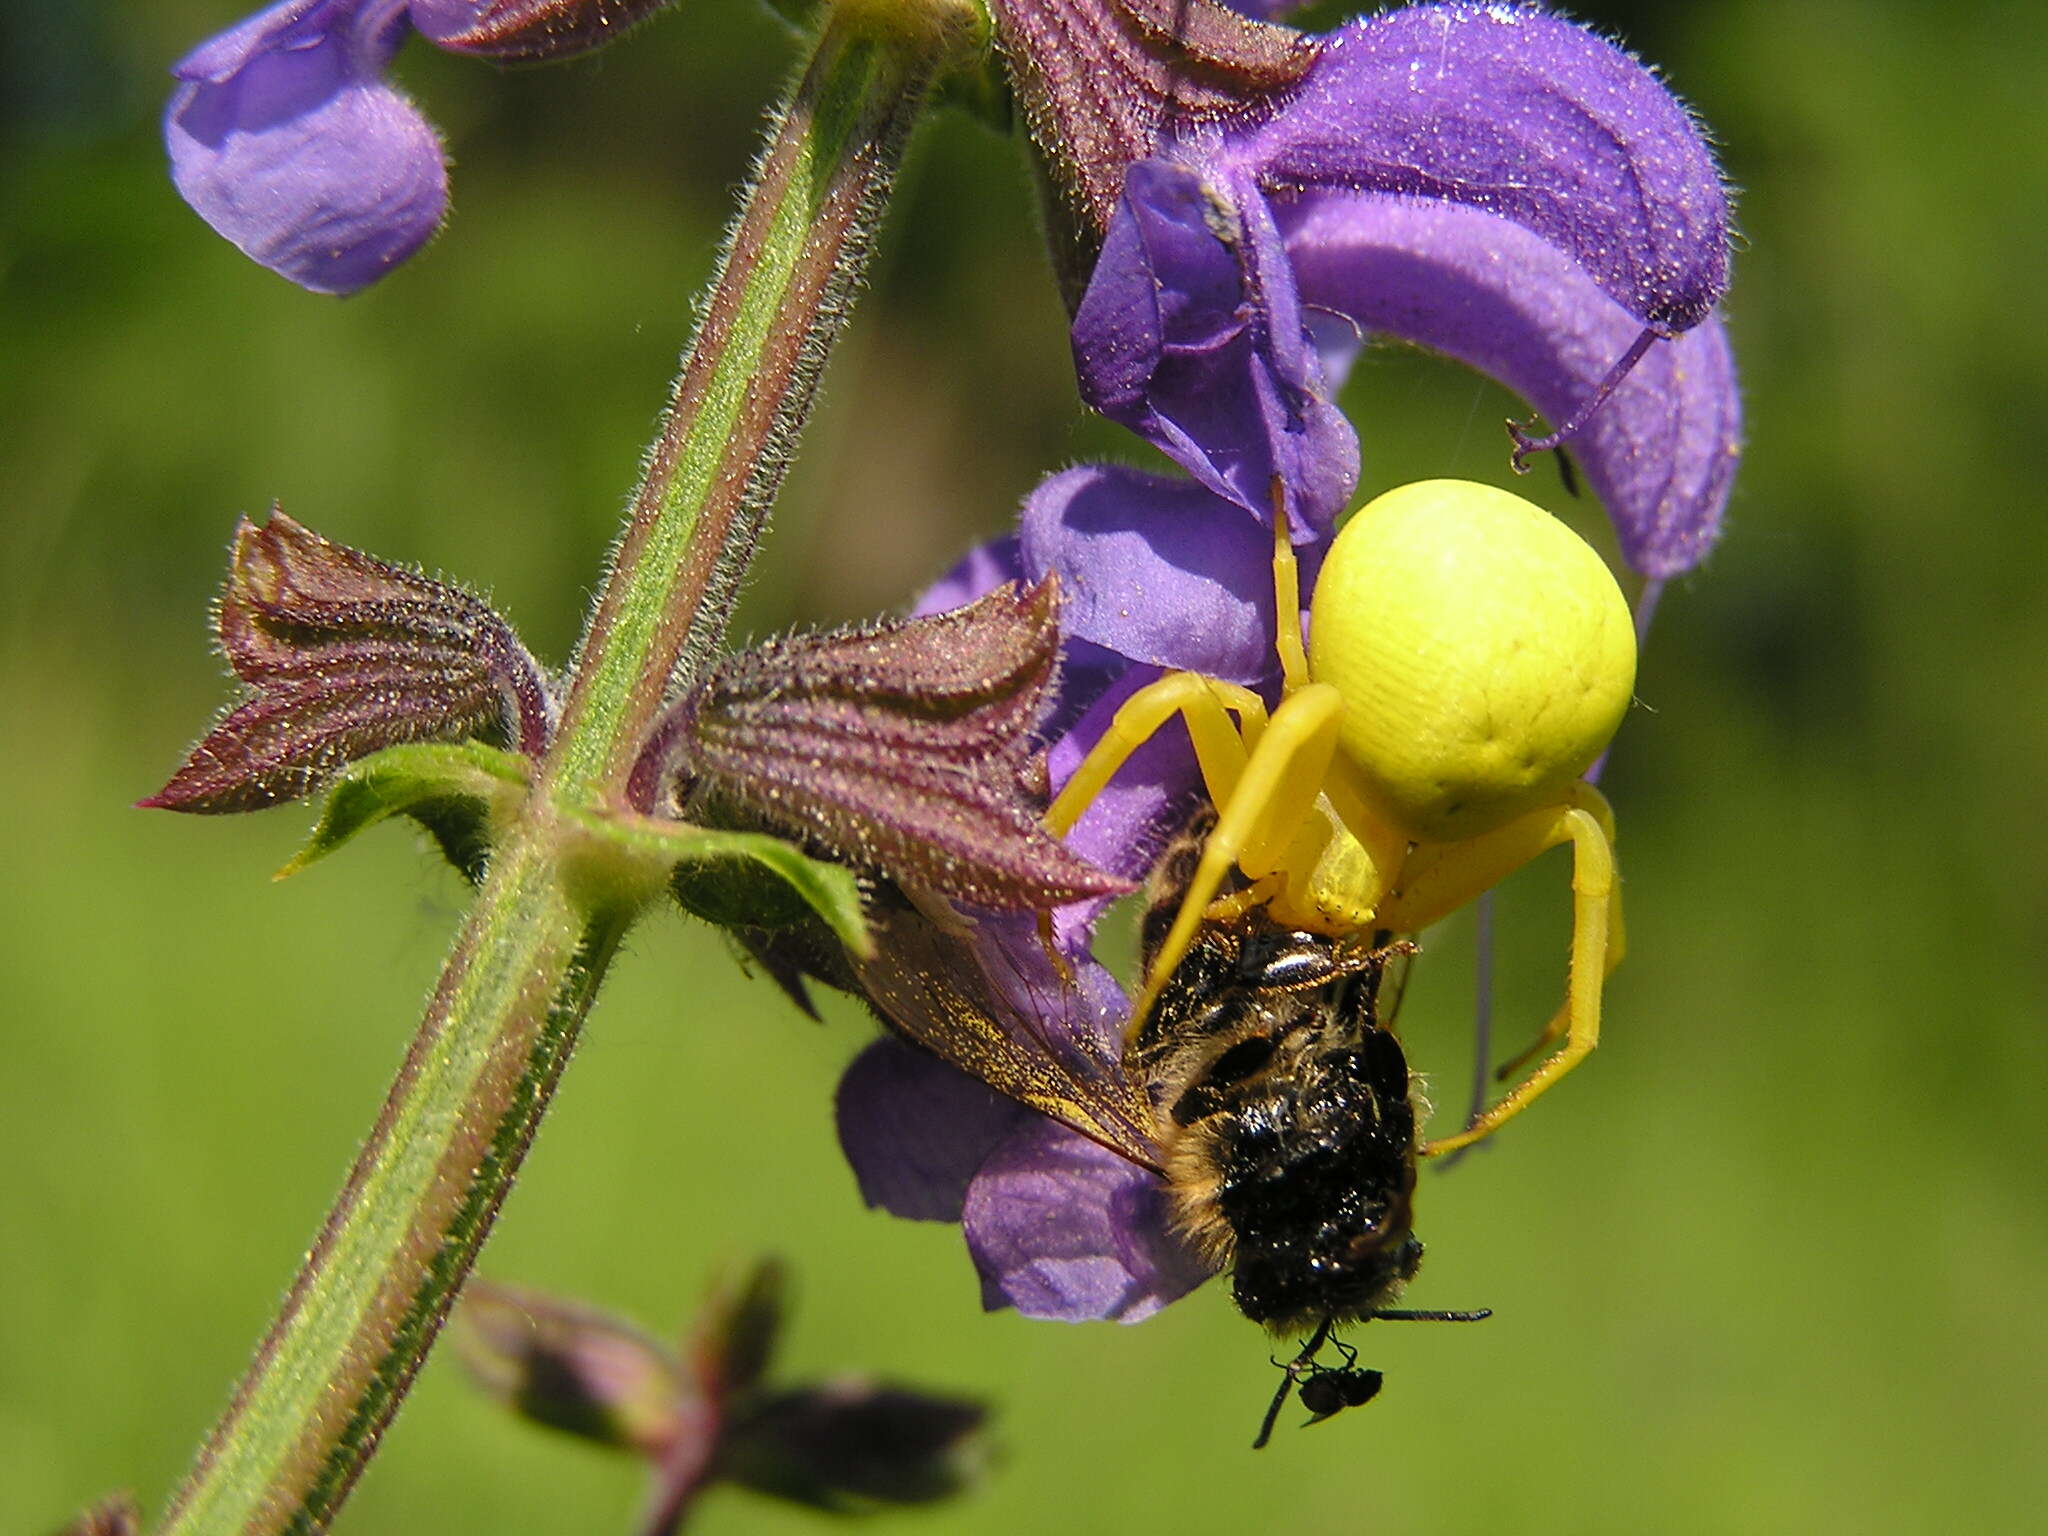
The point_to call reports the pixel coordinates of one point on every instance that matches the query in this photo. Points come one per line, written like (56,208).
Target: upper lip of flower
(1498,184)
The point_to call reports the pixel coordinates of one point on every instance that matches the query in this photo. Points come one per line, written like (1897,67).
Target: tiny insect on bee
(1261,1086)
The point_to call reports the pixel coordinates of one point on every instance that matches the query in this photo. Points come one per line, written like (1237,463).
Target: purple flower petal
(1526,116)
(916,1129)
(1063,1228)
(1155,569)
(285,138)
(980,571)
(1660,453)
(1189,335)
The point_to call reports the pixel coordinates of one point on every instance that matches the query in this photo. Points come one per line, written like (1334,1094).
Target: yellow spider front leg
(1263,775)
(1204,704)
(1257,818)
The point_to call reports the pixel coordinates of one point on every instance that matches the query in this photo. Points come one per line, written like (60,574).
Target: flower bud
(734,1336)
(572,1367)
(528,30)
(346,655)
(115,1515)
(851,1444)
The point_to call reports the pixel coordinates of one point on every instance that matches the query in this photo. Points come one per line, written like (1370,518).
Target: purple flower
(285,136)
(1491,182)
(1058,1225)
(1495,183)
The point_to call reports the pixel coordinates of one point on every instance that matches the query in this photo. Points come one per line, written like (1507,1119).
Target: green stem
(418,1203)
(378,1282)
(802,241)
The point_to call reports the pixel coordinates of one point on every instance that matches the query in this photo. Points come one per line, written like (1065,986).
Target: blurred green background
(1775,1260)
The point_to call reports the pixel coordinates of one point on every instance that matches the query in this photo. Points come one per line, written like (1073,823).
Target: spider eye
(1484,653)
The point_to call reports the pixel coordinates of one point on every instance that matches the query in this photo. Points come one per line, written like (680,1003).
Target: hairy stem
(798,249)
(418,1204)
(679,1479)
(378,1282)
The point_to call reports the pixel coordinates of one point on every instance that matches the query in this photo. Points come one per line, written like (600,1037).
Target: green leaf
(453,789)
(829,890)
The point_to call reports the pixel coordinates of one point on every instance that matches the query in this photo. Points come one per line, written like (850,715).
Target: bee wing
(992,1002)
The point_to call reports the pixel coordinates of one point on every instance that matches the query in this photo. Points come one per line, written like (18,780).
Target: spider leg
(1617,949)
(1440,879)
(1245,899)
(1205,704)
(1258,819)
(1287,644)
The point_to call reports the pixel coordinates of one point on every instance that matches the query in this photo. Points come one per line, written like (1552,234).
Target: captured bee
(1262,1087)
(1285,1121)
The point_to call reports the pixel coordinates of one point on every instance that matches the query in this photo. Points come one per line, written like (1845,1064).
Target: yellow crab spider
(1469,658)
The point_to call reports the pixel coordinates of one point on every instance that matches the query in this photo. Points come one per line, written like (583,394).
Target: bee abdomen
(1315,1179)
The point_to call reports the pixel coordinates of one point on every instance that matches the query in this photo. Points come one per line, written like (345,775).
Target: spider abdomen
(1484,653)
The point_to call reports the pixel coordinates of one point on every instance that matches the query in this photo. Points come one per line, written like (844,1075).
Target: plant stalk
(380,1278)
(747,385)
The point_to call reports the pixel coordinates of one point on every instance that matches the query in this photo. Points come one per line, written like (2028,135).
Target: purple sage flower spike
(285,136)
(1488,181)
